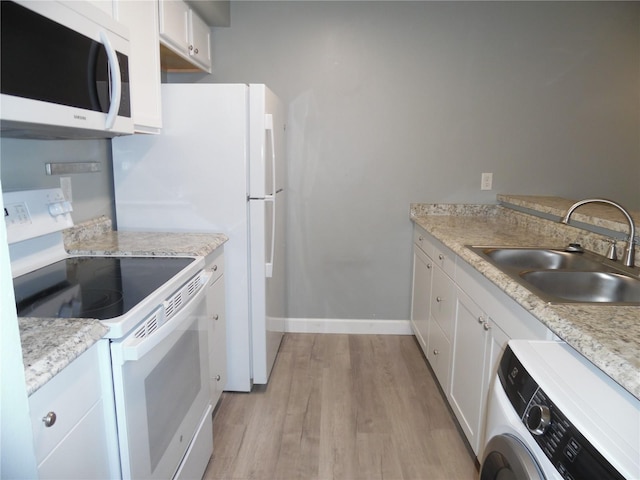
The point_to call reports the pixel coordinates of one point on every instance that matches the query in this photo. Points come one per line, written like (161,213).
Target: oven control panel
(34,213)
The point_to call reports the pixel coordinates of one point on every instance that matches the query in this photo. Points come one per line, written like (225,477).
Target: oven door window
(164,395)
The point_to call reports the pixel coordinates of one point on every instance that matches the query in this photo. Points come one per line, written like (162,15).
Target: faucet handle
(612,254)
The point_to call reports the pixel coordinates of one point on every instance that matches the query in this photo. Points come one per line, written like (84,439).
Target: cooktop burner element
(92,287)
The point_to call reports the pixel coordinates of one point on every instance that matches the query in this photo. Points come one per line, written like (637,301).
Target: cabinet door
(174,25)
(439,354)
(82,454)
(144,62)
(217,338)
(73,420)
(443,300)
(471,336)
(105,5)
(420,297)
(200,41)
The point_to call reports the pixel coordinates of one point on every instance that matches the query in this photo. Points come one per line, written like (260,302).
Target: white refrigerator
(219,166)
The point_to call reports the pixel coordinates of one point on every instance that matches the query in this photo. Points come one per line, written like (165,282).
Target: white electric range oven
(155,309)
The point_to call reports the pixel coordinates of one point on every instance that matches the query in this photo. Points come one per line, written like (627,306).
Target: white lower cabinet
(443,300)
(218,331)
(439,354)
(421,295)
(468,367)
(73,420)
(470,323)
(433,303)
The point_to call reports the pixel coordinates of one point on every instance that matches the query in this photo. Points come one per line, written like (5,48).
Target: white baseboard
(355,326)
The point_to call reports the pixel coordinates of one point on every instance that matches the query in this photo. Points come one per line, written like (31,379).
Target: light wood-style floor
(341,407)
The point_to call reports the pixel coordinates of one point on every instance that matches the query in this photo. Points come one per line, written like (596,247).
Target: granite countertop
(596,214)
(50,344)
(609,336)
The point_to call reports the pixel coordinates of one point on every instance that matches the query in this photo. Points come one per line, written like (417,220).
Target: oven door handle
(134,348)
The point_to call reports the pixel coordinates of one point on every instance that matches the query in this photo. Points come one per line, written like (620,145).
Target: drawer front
(445,259)
(215,264)
(70,395)
(439,355)
(421,239)
(83,454)
(443,301)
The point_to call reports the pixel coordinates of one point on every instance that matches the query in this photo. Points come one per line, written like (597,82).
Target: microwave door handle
(116,85)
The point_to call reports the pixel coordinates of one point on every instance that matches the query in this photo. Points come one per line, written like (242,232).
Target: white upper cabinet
(104,5)
(174,26)
(141,18)
(185,38)
(199,41)
(144,66)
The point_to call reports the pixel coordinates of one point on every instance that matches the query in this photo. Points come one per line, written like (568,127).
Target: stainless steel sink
(540,259)
(559,276)
(592,287)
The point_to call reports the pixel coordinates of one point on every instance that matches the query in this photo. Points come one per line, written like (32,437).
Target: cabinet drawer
(70,395)
(420,239)
(443,300)
(439,355)
(83,454)
(445,259)
(215,263)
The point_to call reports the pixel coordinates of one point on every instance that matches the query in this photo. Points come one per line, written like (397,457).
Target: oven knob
(537,419)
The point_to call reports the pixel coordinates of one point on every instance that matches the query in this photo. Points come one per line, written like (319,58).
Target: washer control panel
(567,449)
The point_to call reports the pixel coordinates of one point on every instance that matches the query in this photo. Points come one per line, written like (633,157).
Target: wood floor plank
(341,407)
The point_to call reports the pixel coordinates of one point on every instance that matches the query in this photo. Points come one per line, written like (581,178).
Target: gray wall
(22,167)
(398,102)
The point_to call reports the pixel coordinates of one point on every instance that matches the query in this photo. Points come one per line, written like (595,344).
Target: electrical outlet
(486,181)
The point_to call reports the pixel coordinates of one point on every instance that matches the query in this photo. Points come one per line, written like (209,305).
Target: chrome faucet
(629,252)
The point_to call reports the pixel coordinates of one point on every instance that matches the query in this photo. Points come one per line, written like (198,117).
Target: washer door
(507,458)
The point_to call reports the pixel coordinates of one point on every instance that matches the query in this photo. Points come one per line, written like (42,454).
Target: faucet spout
(629,253)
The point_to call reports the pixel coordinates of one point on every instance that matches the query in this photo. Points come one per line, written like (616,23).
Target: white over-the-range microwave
(64,71)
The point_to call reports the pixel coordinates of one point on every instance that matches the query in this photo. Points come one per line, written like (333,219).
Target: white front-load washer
(553,415)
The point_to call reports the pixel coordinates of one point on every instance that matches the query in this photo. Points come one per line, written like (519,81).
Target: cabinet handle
(441,257)
(215,316)
(215,268)
(196,51)
(438,299)
(429,266)
(49,419)
(480,319)
(190,48)
(486,325)
(436,352)
(217,378)
(420,238)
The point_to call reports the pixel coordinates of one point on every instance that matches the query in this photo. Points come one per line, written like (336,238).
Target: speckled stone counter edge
(49,345)
(611,336)
(597,214)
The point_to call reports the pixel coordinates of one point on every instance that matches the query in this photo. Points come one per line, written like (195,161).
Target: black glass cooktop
(92,287)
